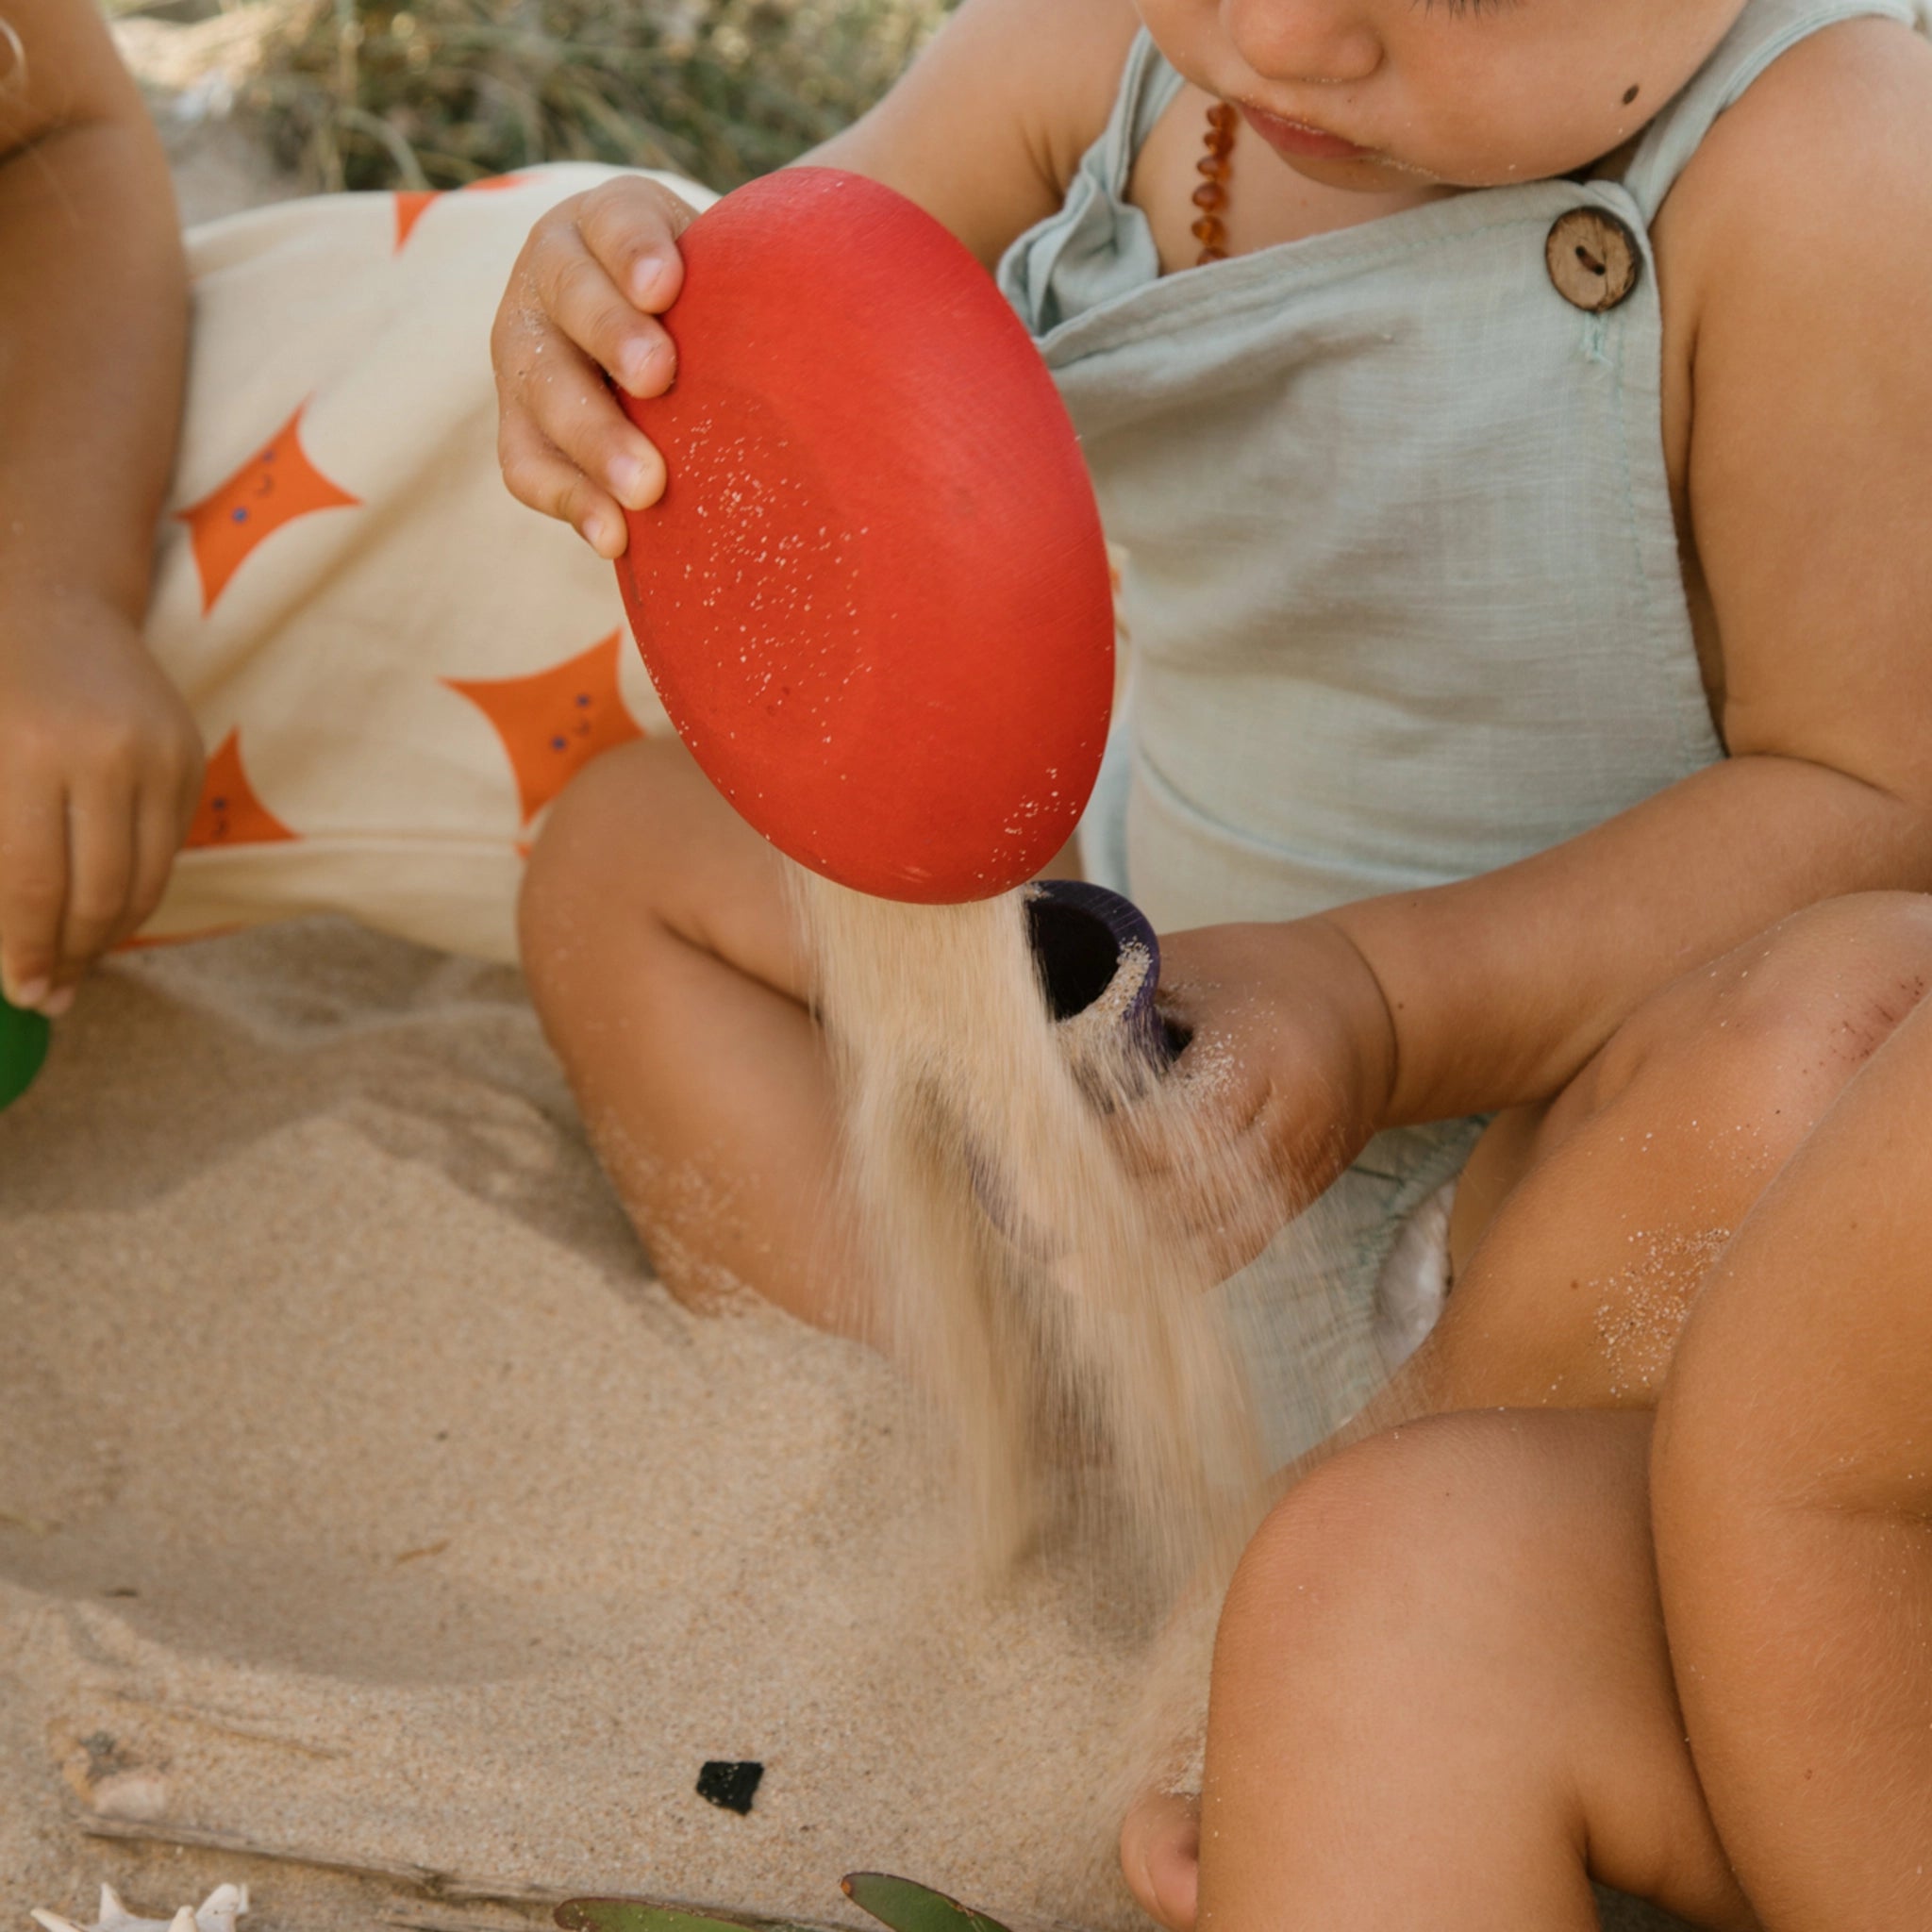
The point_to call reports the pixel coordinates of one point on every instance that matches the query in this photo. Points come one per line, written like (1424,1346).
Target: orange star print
(229,813)
(412,204)
(275,485)
(554,721)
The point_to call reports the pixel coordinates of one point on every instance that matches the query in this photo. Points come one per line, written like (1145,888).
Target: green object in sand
(652,1915)
(896,1903)
(905,1907)
(23,1047)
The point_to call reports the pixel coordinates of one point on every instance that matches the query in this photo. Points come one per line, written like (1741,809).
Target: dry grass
(366,94)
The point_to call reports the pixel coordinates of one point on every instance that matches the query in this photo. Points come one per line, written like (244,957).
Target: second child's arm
(983,133)
(99,759)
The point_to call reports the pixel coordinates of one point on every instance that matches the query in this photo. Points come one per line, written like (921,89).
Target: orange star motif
(412,204)
(554,721)
(229,813)
(275,485)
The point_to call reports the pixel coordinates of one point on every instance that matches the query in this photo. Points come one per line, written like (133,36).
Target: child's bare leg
(1627,1188)
(665,959)
(1793,1501)
(1441,1697)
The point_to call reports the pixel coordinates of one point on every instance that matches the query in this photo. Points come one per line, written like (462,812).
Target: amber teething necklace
(1217,164)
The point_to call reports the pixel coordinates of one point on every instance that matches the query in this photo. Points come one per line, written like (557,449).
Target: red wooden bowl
(874,598)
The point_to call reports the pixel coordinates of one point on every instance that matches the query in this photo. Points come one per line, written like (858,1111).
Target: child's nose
(1315,43)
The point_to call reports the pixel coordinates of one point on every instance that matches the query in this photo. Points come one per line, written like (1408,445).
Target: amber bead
(1211,196)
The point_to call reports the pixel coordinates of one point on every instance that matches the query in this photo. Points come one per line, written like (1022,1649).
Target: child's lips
(1299,138)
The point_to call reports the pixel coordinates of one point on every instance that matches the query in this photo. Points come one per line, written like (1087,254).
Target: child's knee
(1475,1594)
(609,848)
(1775,1028)
(1412,1541)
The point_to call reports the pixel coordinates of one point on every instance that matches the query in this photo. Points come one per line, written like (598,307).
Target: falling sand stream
(1050,1300)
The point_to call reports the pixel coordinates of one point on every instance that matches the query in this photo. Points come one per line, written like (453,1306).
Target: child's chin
(1368,174)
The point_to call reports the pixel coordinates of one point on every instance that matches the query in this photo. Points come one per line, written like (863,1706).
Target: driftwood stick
(414,1919)
(450,1888)
(447,1884)
(420,1919)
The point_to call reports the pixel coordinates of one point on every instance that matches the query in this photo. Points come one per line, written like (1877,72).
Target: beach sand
(363,1496)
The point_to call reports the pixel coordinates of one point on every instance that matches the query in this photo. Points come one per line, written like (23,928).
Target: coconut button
(1594,259)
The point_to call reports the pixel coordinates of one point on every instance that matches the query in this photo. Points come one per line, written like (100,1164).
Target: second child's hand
(1288,1070)
(100,768)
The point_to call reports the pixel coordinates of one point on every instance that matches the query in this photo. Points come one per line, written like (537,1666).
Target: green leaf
(905,1907)
(645,1915)
(23,1047)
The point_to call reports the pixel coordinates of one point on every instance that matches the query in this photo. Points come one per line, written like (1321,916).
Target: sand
(363,1496)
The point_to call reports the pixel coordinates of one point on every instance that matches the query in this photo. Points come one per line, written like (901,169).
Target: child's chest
(1267,202)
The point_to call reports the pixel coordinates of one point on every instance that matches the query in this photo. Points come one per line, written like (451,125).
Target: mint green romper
(1402,583)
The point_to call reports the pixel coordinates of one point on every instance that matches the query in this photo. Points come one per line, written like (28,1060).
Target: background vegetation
(434,93)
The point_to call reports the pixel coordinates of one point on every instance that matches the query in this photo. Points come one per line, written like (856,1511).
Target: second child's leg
(1442,1697)
(1793,1481)
(667,964)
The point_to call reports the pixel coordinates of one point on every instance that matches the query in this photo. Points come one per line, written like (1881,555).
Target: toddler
(1513,417)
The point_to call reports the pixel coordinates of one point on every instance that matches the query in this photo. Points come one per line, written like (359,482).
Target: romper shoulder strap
(1764,30)
(1148,86)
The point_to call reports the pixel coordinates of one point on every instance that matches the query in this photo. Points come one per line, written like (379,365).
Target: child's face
(1370,93)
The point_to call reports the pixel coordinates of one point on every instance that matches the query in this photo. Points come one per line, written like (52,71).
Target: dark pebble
(730,1785)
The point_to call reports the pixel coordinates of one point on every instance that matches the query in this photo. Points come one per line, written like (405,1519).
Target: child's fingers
(33,888)
(540,475)
(550,386)
(157,829)
(575,412)
(1201,1106)
(631,227)
(184,798)
(100,853)
(1161,1857)
(581,299)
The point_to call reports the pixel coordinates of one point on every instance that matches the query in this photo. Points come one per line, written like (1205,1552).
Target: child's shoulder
(1050,67)
(1797,377)
(1821,171)
(988,129)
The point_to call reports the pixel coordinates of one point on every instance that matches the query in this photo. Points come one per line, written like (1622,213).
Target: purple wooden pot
(1082,936)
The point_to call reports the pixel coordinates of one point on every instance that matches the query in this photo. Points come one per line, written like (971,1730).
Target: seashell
(216,1913)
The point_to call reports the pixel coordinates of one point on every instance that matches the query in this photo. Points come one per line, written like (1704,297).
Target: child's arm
(1790,272)
(99,759)
(983,133)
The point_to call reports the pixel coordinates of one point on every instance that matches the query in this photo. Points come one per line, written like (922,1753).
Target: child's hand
(1289,1067)
(593,272)
(100,769)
